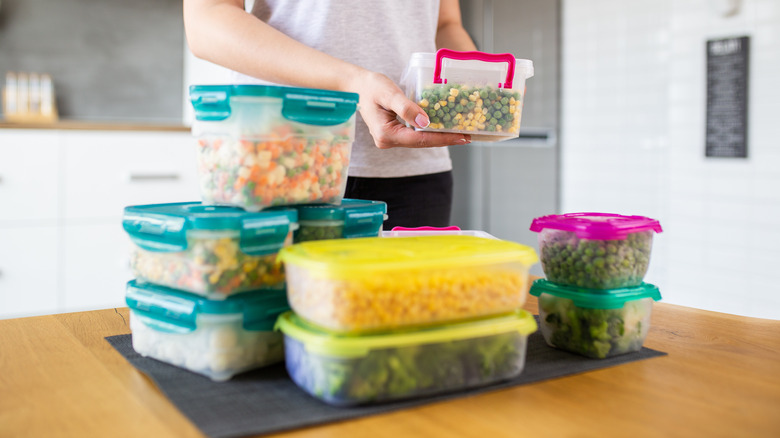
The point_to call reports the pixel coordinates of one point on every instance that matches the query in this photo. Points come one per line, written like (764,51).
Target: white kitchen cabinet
(29,176)
(29,258)
(62,194)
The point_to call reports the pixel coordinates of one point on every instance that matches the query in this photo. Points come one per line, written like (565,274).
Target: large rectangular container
(593,322)
(474,93)
(213,251)
(377,283)
(217,339)
(264,145)
(353,370)
(595,250)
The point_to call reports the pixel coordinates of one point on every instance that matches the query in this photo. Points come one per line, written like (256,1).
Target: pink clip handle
(450,228)
(478,56)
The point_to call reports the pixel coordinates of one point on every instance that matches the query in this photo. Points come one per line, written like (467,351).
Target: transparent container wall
(595,264)
(218,348)
(596,333)
(213,266)
(408,371)
(390,299)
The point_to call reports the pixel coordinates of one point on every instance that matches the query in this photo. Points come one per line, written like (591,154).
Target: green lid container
(350,219)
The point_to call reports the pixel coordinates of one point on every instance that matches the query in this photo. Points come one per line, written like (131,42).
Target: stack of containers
(381,318)
(594,301)
(208,287)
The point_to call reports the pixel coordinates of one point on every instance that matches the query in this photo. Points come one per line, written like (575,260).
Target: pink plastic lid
(450,228)
(596,226)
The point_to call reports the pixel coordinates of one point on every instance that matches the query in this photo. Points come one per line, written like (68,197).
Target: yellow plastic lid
(319,340)
(372,254)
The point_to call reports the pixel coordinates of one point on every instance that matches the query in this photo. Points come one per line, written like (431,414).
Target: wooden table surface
(721,378)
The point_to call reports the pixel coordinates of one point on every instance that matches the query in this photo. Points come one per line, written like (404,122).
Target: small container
(434,231)
(263,145)
(593,322)
(474,93)
(353,370)
(376,283)
(218,339)
(352,218)
(595,250)
(212,251)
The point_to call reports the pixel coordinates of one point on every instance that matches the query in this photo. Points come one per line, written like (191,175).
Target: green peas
(318,232)
(595,264)
(467,108)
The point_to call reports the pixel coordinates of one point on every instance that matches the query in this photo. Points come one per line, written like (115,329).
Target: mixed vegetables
(462,108)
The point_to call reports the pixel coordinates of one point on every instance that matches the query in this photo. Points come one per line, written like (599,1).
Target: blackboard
(727,97)
(119,60)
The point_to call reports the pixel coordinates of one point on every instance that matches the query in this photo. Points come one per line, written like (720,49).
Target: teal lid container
(596,298)
(165,227)
(212,251)
(350,219)
(174,311)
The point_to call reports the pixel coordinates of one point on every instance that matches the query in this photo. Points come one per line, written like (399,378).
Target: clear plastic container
(376,283)
(213,251)
(595,250)
(353,370)
(263,145)
(594,322)
(474,93)
(217,339)
(352,218)
(434,231)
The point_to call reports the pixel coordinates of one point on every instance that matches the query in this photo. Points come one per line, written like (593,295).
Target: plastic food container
(262,145)
(473,93)
(593,322)
(595,250)
(213,251)
(434,231)
(218,339)
(376,283)
(352,370)
(352,218)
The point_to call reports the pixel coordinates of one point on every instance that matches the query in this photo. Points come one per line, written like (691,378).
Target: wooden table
(59,377)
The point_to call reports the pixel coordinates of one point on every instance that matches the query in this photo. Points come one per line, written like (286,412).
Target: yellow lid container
(370,284)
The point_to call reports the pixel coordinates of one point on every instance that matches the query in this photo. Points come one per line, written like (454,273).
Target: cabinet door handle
(141,177)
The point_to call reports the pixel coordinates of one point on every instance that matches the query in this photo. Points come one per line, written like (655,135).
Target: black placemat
(264,401)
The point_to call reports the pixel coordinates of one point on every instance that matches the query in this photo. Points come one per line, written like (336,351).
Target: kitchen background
(614,120)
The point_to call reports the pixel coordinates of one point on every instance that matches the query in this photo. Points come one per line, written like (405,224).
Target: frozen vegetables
(460,107)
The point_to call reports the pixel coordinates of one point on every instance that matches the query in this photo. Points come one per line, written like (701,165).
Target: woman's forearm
(220,31)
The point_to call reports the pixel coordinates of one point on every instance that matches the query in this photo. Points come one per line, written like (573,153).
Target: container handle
(450,228)
(477,56)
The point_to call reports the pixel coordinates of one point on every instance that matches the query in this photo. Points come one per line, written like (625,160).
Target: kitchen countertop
(97,126)
(60,377)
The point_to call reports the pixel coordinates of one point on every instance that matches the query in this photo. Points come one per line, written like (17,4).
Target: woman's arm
(221,32)
(450,33)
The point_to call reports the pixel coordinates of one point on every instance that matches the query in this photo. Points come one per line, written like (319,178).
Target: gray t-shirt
(379,35)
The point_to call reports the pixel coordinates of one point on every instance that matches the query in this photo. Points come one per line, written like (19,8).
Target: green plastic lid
(322,341)
(596,298)
(164,227)
(361,218)
(174,311)
(304,105)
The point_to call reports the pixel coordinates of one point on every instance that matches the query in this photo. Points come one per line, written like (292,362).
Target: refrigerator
(501,186)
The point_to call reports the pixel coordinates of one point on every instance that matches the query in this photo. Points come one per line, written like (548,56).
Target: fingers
(409,111)
(402,136)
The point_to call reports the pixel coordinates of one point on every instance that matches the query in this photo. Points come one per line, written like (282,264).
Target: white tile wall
(632,139)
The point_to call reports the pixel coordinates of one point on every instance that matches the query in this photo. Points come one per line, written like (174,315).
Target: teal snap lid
(164,227)
(305,105)
(596,298)
(362,218)
(173,311)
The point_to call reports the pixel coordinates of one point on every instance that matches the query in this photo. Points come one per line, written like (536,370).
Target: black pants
(412,201)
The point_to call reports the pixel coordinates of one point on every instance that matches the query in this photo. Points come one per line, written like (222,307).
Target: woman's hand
(382,103)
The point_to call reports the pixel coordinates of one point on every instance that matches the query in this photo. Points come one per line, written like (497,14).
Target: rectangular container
(212,251)
(434,231)
(350,219)
(263,145)
(217,339)
(595,250)
(592,322)
(474,93)
(354,370)
(376,283)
